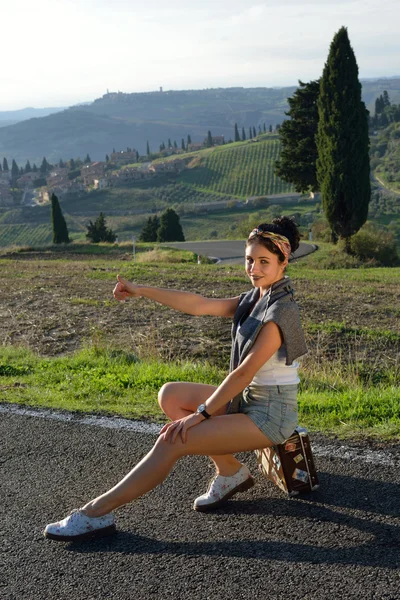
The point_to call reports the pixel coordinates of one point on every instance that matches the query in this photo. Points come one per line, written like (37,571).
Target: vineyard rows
(180,193)
(243,171)
(25,235)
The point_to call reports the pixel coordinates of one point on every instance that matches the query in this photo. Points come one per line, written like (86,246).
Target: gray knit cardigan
(277,305)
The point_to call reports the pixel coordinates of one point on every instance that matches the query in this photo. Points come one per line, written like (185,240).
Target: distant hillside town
(75,177)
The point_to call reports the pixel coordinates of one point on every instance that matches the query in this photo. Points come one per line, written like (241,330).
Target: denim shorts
(273,408)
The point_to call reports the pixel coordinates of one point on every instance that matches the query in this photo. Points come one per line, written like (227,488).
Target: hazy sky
(61,52)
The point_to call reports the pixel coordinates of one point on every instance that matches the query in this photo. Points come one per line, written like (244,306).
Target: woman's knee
(167,396)
(168,449)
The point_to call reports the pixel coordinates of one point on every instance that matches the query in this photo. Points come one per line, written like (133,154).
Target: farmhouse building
(27,180)
(195,147)
(124,158)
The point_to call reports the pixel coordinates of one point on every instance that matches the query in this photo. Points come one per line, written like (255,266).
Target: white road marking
(343,452)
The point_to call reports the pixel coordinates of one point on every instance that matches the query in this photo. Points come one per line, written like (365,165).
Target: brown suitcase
(290,465)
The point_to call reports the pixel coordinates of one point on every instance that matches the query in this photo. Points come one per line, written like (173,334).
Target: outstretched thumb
(120,279)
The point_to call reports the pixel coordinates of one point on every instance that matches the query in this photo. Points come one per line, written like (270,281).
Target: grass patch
(352,401)
(85,301)
(93,380)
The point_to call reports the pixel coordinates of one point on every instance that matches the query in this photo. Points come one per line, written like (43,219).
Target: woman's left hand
(180,427)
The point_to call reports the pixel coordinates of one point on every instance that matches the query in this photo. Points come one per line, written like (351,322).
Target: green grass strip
(348,402)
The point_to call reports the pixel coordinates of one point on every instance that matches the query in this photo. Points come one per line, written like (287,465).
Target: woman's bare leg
(213,437)
(179,399)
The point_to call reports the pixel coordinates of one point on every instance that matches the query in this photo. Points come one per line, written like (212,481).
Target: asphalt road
(342,541)
(231,251)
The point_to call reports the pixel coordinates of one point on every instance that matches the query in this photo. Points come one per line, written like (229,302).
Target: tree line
(385,112)
(252,133)
(163,228)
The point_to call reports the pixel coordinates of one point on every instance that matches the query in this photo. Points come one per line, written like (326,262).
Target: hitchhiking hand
(124,289)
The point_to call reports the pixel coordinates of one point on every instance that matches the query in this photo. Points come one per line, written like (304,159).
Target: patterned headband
(280,241)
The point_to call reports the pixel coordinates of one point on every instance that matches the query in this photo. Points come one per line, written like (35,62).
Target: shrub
(98,231)
(260,202)
(321,231)
(375,245)
(274,211)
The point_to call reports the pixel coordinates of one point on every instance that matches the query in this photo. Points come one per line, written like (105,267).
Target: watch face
(201,408)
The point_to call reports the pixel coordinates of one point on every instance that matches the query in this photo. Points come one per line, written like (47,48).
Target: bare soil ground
(54,304)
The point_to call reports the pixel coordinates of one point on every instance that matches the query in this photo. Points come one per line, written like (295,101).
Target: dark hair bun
(287,227)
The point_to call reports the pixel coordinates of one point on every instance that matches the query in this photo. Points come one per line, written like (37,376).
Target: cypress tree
(270,129)
(297,162)
(189,141)
(87,159)
(209,142)
(175,145)
(170,229)
(60,231)
(237,136)
(264,128)
(148,149)
(183,144)
(385,99)
(149,231)
(44,167)
(1,168)
(243,135)
(14,170)
(250,133)
(28,167)
(254,132)
(5,165)
(343,142)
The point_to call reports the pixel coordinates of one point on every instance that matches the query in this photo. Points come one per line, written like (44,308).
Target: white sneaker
(78,526)
(222,488)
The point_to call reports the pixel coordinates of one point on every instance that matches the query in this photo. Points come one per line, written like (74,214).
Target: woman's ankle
(92,511)
(229,469)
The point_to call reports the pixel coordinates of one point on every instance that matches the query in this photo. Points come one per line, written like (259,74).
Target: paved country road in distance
(231,251)
(342,541)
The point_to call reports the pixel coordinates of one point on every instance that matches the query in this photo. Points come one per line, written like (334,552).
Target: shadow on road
(378,546)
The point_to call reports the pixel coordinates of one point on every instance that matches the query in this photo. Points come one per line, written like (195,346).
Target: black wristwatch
(201,410)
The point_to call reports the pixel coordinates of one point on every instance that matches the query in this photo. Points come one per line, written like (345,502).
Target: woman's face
(262,266)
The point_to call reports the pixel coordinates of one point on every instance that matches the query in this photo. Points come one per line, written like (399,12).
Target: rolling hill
(214,178)
(118,120)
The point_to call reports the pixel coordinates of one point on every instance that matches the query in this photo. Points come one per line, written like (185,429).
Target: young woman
(254,407)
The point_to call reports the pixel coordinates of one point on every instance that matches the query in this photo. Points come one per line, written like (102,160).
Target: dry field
(55,304)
